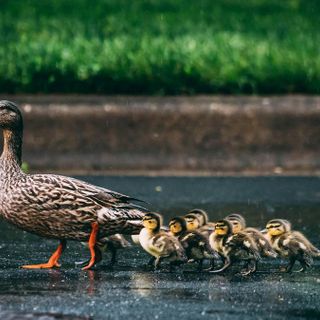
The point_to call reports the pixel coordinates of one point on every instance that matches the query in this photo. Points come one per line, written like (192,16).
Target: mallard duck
(195,244)
(54,206)
(292,245)
(160,244)
(234,247)
(239,225)
(205,227)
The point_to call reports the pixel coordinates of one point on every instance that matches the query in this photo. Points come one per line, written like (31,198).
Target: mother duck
(54,206)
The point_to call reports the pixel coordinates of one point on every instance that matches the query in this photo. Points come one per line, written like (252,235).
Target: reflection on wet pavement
(129,291)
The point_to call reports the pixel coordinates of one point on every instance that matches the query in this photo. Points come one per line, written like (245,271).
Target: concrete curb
(198,135)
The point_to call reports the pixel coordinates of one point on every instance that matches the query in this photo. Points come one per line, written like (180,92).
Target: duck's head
(277,227)
(223,228)
(152,221)
(10,116)
(177,225)
(202,216)
(238,222)
(192,221)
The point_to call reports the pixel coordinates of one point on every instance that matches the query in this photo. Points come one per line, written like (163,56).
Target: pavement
(130,292)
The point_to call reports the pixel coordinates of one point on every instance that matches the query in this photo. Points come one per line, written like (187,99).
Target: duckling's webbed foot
(305,264)
(212,264)
(302,269)
(113,260)
(227,264)
(150,264)
(200,265)
(98,255)
(251,267)
(290,265)
(53,261)
(157,263)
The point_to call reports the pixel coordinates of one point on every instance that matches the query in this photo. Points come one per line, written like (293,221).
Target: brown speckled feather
(61,207)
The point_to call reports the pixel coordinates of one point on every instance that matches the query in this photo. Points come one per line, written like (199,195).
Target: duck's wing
(69,197)
(102,196)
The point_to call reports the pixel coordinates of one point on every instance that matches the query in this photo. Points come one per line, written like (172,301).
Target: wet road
(129,291)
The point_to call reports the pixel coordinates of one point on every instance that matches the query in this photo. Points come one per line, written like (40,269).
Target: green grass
(160,46)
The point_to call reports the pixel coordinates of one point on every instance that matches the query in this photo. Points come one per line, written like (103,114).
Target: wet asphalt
(130,292)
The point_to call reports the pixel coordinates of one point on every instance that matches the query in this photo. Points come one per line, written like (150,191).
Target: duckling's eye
(273,226)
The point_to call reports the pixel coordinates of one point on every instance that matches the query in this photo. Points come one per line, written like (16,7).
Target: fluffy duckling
(234,247)
(239,225)
(112,243)
(196,245)
(292,245)
(159,244)
(205,227)
(284,221)
(193,223)
(237,217)
(135,237)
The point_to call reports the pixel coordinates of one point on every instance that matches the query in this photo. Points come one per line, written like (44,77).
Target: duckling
(234,247)
(113,243)
(196,245)
(205,227)
(159,244)
(135,237)
(291,244)
(241,221)
(193,223)
(239,224)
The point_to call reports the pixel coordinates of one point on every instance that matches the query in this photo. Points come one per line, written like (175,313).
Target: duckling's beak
(220,231)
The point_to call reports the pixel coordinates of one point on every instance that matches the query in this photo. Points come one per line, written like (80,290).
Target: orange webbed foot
(53,261)
(41,266)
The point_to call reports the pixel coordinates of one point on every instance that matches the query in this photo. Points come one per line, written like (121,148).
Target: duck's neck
(10,160)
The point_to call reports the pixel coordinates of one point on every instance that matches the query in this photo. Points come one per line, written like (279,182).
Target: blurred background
(165,86)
